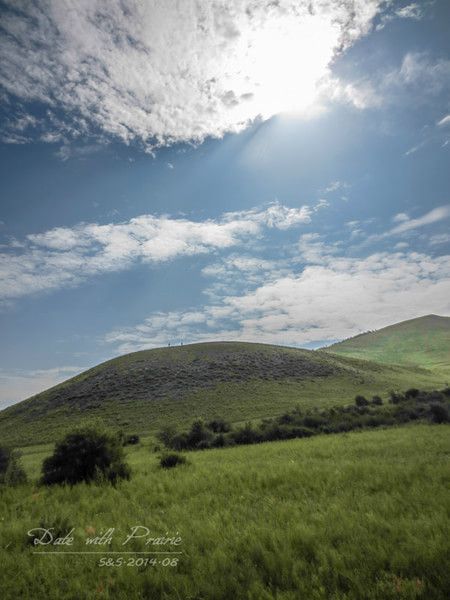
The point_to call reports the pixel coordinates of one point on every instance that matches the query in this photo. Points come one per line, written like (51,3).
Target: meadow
(354,516)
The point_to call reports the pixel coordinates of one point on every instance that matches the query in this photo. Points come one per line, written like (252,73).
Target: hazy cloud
(19,384)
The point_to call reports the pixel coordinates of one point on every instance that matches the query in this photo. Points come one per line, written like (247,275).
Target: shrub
(11,471)
(219,426)
(203,445)
(360,400)
(286,419)
(219,441)
(179,442)
(166,435)
(246,435)
(87,454)
(315,422)
(434,396)
(198,433)
(301,432)
(412,393)
(168,461)
(395,398)
(377,400)
(131,440)
(439,413)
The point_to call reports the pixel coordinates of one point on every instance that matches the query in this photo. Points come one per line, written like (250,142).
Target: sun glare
(284,61)
(288,61)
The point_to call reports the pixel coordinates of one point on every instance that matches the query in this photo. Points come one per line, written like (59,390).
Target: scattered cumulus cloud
(65,256)
(311,305)
(420,79)
(414,11)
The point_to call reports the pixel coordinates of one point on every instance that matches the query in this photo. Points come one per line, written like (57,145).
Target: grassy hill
(354,516)
(142,391)
(424,342)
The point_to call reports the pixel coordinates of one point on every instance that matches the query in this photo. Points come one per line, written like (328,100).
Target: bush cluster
(168,461)
(11,471)
(88,454)
(412,405)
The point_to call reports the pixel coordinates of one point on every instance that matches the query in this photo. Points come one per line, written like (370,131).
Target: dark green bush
(198,433)
(203,445)
(131,440)
(435,396)
(313,421)
(219,441)
(179,442)
(286,418)
(246,435)
(87,454)
(166,435)
(11,471)
(410,406)
(395,397)
(168,461)
(219,426)
(360,400)
(439,413)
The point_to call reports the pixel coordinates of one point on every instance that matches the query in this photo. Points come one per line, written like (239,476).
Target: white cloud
(65,256)
(336,298)
(167,71)
(439,238)
(400,218)
(444,121)
(336,186)
(435,215)
(411,11)
(418,80)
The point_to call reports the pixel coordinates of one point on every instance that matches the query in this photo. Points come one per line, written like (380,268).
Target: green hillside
(142,391)
(424,342)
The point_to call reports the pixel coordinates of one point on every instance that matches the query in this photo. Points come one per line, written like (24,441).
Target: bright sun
(282,63)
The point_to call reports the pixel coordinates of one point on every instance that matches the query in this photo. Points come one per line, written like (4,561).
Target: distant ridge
(423,342)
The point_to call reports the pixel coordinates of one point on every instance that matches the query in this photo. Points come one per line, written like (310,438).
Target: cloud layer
(168,71)
(66,256)
(333,299)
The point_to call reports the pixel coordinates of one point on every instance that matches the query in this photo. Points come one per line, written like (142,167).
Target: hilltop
(423,342)
(142,391)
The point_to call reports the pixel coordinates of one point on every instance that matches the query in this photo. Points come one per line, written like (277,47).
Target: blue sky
(188,173)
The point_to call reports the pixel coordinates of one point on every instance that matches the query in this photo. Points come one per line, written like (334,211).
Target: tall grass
(360,516)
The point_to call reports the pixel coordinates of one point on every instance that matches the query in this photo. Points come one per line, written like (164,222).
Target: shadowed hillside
(144,390)
(424,342)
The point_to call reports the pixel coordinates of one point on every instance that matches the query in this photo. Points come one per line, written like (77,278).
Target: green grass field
(361,516)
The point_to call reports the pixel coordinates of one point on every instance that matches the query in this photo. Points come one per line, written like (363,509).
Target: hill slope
(424,342)
(145,390)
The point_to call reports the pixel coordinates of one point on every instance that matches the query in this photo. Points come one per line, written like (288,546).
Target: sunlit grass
(356,516)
